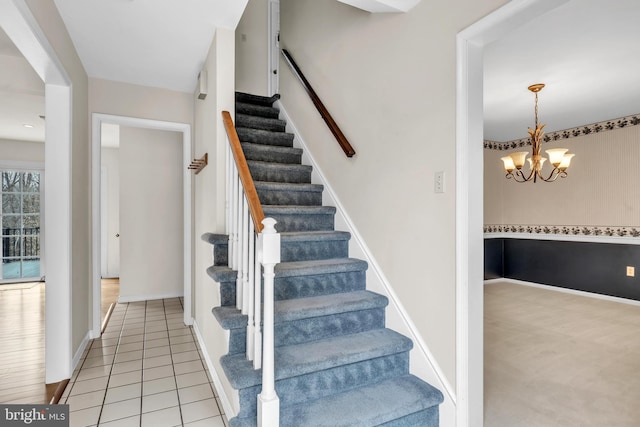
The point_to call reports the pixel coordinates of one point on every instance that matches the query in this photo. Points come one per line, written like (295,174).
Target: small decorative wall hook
(198,164)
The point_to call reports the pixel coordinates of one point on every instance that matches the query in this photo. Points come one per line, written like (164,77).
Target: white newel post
(268,402)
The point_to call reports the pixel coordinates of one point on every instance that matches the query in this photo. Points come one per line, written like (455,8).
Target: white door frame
(22,28)
(96,138)
(469,197)
(273,48)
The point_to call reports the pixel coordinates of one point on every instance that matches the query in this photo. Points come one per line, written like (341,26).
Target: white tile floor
(145,370)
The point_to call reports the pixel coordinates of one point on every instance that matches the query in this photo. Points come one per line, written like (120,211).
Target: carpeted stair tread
(370,405)
(265,137)
(248,98)
(299,359)
(288,193)
(271,153)
(222,273)
(299,210)
(258,122)
(313,236)
(288,186)
(318,267)
(279,172)
(257,110)
(215,239)
(230,317)
(325,305)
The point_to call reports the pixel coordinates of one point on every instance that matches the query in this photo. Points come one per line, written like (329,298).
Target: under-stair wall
(422,362)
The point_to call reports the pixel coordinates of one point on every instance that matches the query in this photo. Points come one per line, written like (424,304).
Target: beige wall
(151,215)
(53,27)
(210,190)
(23,151)
(389,81)
(252,52)
(141,102)
(602,189)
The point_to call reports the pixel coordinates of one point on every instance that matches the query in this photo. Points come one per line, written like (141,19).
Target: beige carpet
(556,359)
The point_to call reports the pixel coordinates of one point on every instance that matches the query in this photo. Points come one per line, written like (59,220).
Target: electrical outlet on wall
(631,271)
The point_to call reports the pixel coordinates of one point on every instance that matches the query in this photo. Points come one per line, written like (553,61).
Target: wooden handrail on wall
(255,207)
(333,127)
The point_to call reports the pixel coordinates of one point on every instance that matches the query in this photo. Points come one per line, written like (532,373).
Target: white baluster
(238,247)
(257,317)
(251,292)
(268,402)
(245,255)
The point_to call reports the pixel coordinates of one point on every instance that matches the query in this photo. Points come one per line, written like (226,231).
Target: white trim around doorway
(96,122)
(21,27)
(469,197)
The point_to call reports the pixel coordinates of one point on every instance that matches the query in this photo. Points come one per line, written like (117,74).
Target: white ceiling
(158,43)
(21,95)
(587,52)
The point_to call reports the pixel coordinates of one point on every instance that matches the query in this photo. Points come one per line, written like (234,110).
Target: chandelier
(558,157)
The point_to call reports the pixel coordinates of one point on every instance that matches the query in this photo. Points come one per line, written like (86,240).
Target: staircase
(336,364)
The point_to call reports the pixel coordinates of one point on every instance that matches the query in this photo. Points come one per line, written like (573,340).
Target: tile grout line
(173,368)
(144,339)
(106,388)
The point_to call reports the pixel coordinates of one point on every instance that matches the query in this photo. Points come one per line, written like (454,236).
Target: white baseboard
(224,399)
(137,298)
(565,290)
(429,369)
(78,354)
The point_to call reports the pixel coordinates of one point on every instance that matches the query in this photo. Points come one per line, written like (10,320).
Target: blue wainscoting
(585,266)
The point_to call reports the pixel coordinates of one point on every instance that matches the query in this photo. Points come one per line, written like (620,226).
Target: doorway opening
(469,197)
(98,121)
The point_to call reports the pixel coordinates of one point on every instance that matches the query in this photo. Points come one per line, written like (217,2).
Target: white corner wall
(209,197)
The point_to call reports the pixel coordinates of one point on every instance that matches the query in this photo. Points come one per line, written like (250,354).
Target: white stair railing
(254,247)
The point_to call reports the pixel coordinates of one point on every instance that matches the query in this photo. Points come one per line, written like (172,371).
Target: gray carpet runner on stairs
(336,363)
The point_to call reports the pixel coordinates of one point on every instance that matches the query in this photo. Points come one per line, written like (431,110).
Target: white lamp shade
(539,166)
(518,158)
(566,161)
(508,163)
(556,155)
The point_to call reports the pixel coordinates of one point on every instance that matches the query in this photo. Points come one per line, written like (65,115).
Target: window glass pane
(31,221)
(11,181)
(31,246)
(31,182)
(11,269)
(10,223)
(31,203)
(11,246)
(10,203)
(31,267)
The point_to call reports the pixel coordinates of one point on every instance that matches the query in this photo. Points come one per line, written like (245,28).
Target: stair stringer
(422,362)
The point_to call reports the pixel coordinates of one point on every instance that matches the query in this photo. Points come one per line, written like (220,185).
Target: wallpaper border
(599,127)
(565,230)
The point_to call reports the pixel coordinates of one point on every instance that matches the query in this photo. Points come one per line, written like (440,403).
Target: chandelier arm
(555,173)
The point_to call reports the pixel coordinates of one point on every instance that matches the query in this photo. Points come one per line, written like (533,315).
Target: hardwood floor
(22,322)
